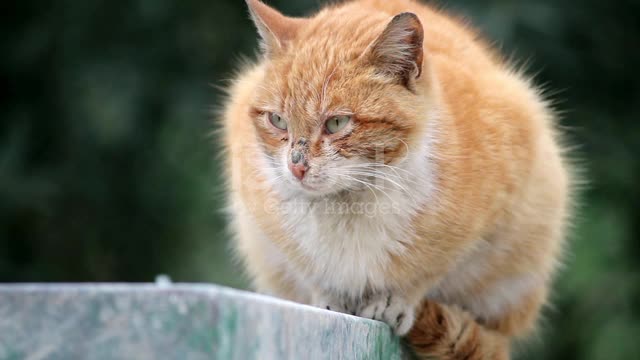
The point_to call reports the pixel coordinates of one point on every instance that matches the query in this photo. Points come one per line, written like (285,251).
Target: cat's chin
(303,190)
(315,192)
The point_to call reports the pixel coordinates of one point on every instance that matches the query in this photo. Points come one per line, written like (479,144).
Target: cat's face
(334,110)
(324,133)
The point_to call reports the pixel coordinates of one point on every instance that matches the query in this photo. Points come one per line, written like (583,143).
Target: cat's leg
(384,307)
(331,302)
(448,333)
(388,307)
(393,309)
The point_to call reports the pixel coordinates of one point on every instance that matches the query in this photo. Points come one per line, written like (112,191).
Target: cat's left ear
(275,29)
(398,52)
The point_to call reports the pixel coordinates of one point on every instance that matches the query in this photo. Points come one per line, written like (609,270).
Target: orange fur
(480,250)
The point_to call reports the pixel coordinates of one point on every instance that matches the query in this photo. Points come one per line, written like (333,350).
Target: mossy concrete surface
(182,321)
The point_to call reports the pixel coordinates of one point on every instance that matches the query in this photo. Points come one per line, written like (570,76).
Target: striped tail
(448,333)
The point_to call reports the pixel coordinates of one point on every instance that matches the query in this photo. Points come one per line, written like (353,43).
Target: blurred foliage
(109,172)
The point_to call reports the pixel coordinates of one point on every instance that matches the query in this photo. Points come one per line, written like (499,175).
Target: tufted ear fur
(398,52)
(275,29)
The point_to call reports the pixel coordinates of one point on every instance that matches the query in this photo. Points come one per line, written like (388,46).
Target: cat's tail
(448,333)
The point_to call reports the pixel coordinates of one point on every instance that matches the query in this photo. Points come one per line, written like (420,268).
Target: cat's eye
(337,123)
(277,121)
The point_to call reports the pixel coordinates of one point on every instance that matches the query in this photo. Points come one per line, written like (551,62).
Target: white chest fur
(349,243)
(349,240)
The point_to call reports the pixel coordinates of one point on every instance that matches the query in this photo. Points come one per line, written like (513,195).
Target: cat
(384,161)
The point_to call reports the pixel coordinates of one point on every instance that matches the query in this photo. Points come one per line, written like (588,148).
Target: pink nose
(298,170)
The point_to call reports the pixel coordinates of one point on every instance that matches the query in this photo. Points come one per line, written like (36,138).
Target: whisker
(362,182)
(384,174)
(377,176)
(369,185)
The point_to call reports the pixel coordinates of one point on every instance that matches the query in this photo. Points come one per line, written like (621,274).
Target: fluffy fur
(440,208)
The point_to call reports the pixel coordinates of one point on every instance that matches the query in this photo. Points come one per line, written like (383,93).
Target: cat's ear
(275,29)
(397,52)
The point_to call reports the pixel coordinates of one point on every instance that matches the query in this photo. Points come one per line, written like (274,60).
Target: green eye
(337,123)
(277,121)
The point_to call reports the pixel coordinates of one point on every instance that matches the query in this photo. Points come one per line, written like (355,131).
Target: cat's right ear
(397,52)
(275,29)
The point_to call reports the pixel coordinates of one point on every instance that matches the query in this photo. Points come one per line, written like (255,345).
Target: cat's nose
(298,170)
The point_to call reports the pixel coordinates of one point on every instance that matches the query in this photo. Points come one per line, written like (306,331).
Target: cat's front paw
(391,309)
(333,304)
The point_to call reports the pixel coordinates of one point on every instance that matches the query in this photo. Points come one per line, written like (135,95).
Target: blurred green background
(108,169)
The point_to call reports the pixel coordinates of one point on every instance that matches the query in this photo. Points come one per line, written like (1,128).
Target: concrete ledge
(183,321)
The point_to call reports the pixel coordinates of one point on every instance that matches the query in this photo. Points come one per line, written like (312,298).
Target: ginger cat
(385,162)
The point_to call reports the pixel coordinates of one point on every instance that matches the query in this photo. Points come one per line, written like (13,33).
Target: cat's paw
(391,309)
(332,304)
(337,307)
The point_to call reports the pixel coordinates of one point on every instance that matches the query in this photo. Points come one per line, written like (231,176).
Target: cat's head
(342,99)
